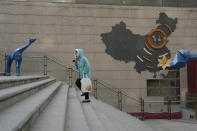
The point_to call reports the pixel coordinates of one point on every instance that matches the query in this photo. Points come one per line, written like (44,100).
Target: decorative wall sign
(122,44)
(157,39)
(181,58)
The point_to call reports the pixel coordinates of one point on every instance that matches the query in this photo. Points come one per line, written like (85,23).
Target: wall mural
(122,44)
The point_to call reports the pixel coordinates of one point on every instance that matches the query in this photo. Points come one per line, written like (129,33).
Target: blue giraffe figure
(17,56)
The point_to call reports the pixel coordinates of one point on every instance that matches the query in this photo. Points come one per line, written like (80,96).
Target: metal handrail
(107,87)
(118,91)
(173,101)
(133,98)
(59,63)
(121,93)
(2,53)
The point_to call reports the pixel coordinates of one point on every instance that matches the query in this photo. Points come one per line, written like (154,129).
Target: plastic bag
(86,85)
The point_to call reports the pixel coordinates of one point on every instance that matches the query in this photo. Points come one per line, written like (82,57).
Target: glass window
(169,86)
(153,83)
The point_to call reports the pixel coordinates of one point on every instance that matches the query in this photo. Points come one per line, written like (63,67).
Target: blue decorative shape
(180,60)
(17,56)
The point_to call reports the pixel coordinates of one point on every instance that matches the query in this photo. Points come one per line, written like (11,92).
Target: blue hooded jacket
(83,65)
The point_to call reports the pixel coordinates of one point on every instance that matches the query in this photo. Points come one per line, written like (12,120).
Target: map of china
(123,45)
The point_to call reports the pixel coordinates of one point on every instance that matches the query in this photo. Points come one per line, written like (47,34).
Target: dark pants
(78,83)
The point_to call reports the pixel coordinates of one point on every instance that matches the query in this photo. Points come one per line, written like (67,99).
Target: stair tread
(105,120)
(18,113)
(53,117)
(121,120)
(17,78)
(75,118)
(7,92)
(93,120)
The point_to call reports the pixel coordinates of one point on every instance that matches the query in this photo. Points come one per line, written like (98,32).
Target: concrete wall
(60,28)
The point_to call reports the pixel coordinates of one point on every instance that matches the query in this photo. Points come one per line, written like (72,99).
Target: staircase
(40,103)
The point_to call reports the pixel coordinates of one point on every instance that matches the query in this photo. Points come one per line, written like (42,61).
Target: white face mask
(76,53)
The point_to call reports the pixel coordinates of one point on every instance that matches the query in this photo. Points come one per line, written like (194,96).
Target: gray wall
(60,28)
(161,3)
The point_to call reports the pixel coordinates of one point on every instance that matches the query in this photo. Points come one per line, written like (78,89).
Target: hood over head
(79,53)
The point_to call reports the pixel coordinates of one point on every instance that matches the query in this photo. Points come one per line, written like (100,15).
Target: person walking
(83,67)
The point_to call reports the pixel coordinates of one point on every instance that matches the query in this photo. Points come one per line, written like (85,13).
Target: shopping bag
(86,85)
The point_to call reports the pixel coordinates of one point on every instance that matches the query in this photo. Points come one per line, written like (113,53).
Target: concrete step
(2,74)
(76,120)
(12,95)
(106,122)
(121,120)
(93,121)
(9,81)
(21,115)
(53,118)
